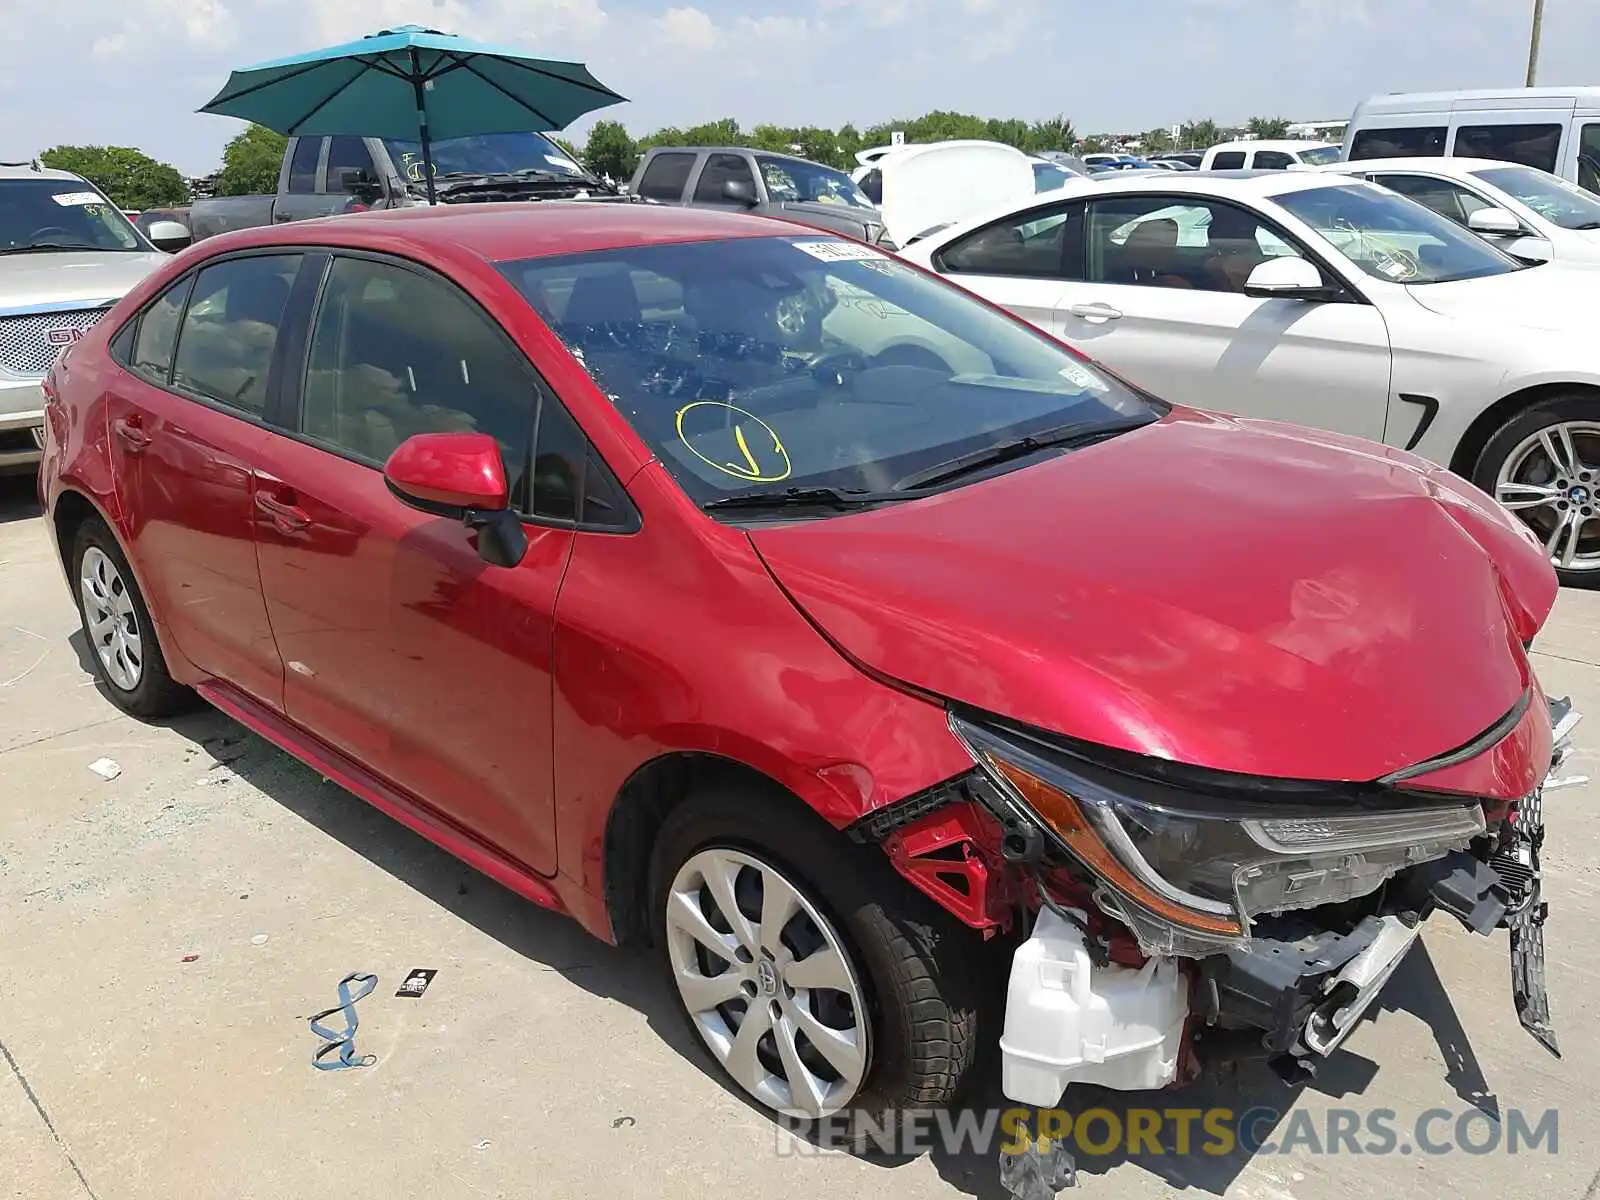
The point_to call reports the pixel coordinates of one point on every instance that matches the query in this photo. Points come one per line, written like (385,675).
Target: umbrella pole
(422,126)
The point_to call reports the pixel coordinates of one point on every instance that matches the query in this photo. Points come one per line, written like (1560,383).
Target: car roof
(1516,97)
(1452,165)
(738,150)
(1273,144)
(505,231)
(29,171)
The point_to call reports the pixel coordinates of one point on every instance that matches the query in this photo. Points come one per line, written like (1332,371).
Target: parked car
(1530,214)
(1189,158)
(1268,155)
(1331,303)
(637,556)
(324,176)
(1555,129)
(66,255)
(780,185)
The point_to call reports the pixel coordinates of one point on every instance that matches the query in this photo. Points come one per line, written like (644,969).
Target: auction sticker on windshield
(75,199)
(838,251)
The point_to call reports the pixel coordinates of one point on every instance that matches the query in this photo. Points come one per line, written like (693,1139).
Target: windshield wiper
(34,247)
(1588,225)
(808,497)
(991,456)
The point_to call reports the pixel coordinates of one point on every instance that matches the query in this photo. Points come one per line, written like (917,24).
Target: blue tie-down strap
(345,1041)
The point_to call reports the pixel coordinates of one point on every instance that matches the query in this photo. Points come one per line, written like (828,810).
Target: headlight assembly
(1185,873)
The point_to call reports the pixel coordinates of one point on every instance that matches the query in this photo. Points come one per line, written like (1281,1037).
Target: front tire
(1544,465)
(122,638)
(817,978)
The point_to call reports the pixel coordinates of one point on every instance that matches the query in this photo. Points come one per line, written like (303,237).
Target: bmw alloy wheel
(767,982)
(1551,480)
(111,620)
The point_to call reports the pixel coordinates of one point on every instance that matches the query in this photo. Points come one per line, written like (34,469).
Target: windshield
(795,180)
(1392,238)
(1557,201)
(1318,155)
(61,214)
(1047,177)
(769,363)
(485,154)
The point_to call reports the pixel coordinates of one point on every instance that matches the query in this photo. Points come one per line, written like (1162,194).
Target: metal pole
(1533,41)
(421,94)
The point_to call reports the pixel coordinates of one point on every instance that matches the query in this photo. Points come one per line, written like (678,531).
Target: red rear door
(186,423)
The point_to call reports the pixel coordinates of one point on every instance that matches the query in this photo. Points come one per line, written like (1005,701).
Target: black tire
(156,694)
(1523,425)
(921,970)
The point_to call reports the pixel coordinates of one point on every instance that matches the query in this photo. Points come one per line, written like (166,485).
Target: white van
(1268,154)
(1556,129)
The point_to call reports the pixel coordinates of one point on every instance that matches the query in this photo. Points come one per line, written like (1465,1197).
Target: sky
(132,72)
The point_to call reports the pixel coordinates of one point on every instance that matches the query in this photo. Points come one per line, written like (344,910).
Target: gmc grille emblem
(62,337)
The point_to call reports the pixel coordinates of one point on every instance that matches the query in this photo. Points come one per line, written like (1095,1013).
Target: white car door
(1158,297)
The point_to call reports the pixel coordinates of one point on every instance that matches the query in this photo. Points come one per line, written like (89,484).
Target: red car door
(403,648)
(186,421)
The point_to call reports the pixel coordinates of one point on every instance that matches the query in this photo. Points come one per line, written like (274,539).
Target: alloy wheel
(768,983)
(1551,480)
(112,622)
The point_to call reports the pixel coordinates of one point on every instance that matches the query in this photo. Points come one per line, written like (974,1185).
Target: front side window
(721,169)
(794,180)
(347,155)
(1405,141)
(1530,145)
(1319,155)
(158,333)
(1393,239)
(1033,244)
(776,362)
(1449,200)
(43,215)
(395,352)
(1589,157)
(1155,241)
(1557,201)
(1228,160)
(666,176)
(231,329)
(481,154)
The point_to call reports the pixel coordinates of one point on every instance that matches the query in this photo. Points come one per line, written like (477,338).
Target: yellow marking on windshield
(760,464)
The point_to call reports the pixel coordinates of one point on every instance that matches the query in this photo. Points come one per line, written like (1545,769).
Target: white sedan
(1323,301)
(1529,213)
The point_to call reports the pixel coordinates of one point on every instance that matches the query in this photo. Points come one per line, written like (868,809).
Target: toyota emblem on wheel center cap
(768,977)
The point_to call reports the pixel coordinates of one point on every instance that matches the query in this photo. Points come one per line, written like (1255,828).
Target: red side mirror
(457,471)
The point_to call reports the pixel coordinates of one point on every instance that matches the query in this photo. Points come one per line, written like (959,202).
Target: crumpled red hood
(1240,595)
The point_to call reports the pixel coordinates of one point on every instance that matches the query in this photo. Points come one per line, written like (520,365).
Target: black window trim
(1349,293)
(1037,213)
(286,400)
(187,281)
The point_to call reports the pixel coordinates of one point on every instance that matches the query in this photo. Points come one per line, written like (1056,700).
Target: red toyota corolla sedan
(748,592)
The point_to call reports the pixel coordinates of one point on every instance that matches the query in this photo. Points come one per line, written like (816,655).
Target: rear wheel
(817,978)
(1544,465)
(122,638)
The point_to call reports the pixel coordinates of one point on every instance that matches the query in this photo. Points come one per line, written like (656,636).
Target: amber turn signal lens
(1065,818)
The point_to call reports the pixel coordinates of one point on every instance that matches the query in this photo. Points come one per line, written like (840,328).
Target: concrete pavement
(541,1063)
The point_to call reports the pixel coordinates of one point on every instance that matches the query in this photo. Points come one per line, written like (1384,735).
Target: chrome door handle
(1096,312)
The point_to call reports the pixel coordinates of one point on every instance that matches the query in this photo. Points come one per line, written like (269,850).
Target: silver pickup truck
(67,254)
(323,176)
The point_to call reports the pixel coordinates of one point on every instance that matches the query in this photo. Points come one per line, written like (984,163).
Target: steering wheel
(45,230)
(1395,264)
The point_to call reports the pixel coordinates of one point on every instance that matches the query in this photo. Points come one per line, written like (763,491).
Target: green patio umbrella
(410,82)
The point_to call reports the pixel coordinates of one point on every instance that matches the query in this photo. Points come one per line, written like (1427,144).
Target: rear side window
(303,166)
(665,177)
(1272,160)
(721,169)
(1412,141)
(1589,158)
(231,329)
(158,333)
(1228,160)
(1034,244)
(1530,145)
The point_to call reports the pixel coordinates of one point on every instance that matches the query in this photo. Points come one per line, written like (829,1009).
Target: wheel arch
(1472,443)
(643,804)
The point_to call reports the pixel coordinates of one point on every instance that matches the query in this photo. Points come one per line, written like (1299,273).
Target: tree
(1056,133)
(130,178)
(251,162)
(610,151)
(1156,140)
(725,132)
(1200,135)
(1269,127)
(567,148)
